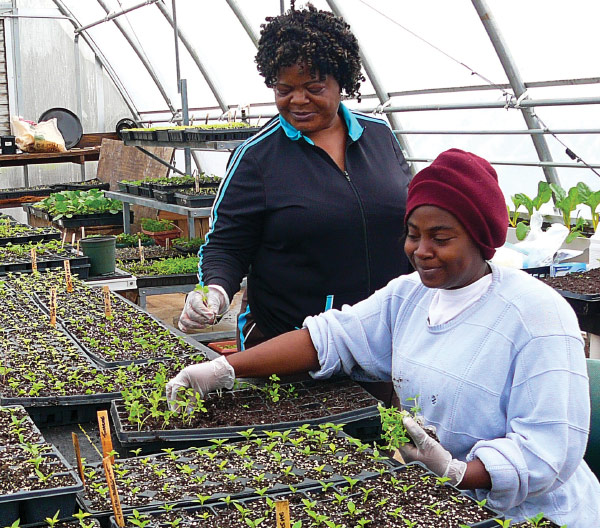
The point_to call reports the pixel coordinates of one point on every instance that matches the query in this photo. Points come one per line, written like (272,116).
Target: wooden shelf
(77,155)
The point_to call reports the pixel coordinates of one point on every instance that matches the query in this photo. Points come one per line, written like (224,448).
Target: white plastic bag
(40,137)
(540,246)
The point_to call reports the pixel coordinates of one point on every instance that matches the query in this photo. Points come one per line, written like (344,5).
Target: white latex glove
(431,453)
(202,310)
(203,378)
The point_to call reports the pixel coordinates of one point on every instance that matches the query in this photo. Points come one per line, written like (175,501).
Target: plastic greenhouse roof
(430,47)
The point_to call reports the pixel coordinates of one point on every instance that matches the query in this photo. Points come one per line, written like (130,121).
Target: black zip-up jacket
(304,230)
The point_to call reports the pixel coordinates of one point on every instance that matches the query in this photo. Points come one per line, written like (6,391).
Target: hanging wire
(511,101)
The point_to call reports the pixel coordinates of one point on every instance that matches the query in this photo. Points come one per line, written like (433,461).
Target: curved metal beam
(244,21)
(382,94)
(64,10)
(192,51)
(517,85)
(125,32)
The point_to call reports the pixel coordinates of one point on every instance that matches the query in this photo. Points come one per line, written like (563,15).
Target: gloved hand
(203,378)
(431,453)
(202,310)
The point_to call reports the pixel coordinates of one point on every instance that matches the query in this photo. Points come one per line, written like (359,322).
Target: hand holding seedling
(203,378)
(431,453)
(202,307)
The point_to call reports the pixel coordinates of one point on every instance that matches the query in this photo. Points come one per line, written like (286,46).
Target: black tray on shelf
(96,219)
(133,189)
(587,309)
(200,200)
(152,281)
(75,186)
(145,190)
(13,194)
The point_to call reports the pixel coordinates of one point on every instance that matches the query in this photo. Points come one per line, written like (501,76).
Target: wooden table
(76,155)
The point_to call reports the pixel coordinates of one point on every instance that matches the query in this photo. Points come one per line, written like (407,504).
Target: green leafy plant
(69,203)
(592,200)
(153,225)
(566,202)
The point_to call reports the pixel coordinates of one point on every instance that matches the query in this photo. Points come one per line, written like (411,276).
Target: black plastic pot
(587,309)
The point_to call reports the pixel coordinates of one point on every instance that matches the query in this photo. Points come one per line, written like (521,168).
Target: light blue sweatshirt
(505,381)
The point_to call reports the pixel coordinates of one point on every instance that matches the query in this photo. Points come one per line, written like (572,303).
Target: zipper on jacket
(364,226)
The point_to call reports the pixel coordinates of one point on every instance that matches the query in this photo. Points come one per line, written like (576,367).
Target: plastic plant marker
(82,232)
(196,182)
(107,307)
(107,446)
(78,455)
(114,494)
(167,241)
(141,250)
(64,238)
(33,260)
(282,513)
(53,307)
(73,239)
(68,278)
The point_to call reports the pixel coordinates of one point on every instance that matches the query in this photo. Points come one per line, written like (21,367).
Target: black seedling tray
(145,189)
(34,506)
(355,416)
(201,200)
(151,281)
(104,186)
(587,309)
(195,134)
(51,234)
(133,189)
(28,424)
(96,219)
(8,194)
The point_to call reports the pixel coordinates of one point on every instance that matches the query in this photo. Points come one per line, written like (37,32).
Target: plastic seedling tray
(146,190)
(326,503)
(30,431)
(312,410)
(587,309)
(217,485)
(178,279)
(33,506)
(94,219)
(202,200)
(133,189)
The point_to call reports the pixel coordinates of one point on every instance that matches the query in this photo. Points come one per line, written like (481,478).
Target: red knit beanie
(466,186)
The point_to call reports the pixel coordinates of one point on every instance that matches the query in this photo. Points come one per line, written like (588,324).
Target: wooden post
(78,455)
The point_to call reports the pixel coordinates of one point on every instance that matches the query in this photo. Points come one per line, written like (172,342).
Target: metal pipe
(186,42)
(176,32)
(105,64)
(380,90)
(505,132)
(141,56)
(244,21)
(527,163)
(527,103)
(160,160)
(519,89)
(114,15)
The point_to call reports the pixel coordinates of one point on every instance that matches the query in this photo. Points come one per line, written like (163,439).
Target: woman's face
(441,250)
(309,103)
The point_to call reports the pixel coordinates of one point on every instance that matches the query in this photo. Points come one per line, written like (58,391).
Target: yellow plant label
(105,438)
(114,494)
(52,306)
(282,511)
(107,308)
(78,455)
(68,277)
(33,260)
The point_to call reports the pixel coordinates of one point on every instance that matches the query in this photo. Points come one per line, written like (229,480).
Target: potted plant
(160,230)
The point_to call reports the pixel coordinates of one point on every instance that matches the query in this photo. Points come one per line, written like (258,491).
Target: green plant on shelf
(153,225)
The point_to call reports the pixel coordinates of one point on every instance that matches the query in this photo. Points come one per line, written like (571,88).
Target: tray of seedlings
(87,185)
(128,254)
(50,254)
(145,416)
(203,197)
(173,271)
(219,132)
(38,484)
(406,496)
(128,335)
(15,233)
(284,460)
(17,427)
(188,246)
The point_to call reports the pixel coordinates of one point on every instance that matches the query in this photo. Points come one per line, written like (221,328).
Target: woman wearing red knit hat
(494,355)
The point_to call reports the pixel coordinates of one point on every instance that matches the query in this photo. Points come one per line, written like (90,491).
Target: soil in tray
(17,427)
(152,252)
(382,500)
(587,283)
(19,464)
(255,464)
(260,406)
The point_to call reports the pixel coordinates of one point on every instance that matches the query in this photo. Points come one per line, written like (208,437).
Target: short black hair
(319,38)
